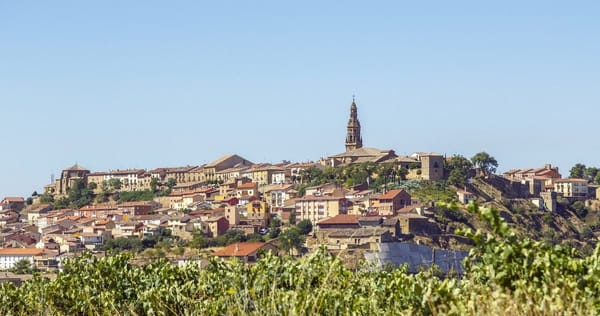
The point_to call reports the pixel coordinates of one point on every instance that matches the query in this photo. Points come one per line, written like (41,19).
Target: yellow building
(571,187)
(316,208)
(257,213)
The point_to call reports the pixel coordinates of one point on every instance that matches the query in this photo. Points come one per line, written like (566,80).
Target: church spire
(353,138)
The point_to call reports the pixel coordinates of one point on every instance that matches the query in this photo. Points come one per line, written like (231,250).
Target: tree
(115,184)
(46,198)
(590,173)
(34,193)
(22,266)
(274,232)
(292,218)
(123,243)
(486,163)
(254,238)
(304,226)
(171,183)
(291,239)
(29,201)
(577,171)
(154,183)
(458,168)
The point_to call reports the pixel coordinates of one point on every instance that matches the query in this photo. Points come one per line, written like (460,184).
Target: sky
(146,84)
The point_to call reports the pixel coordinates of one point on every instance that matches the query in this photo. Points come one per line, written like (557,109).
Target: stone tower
(353,138)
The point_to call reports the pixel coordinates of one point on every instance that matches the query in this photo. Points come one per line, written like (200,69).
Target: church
(431,165)
(355,152)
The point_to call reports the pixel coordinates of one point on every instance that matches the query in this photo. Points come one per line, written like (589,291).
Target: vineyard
(504,275)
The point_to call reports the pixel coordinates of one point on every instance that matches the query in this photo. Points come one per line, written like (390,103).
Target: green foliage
(445,213)
(304,226)
(378,176)
(23,266)
(114,184)
(504,275)
(577,171)
(130,196)
(46,198)
(486,163)
(291,239)
(123,244)
(198,240)
(154,184)
(254,238)
(432,191)
(79,194)
(547,219)
(274,232)
(458,168)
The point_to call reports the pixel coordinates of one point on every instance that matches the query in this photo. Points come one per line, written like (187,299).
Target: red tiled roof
(13,199)
(249,185)
(390,194)
(241,249)
(342,219)
(21,251)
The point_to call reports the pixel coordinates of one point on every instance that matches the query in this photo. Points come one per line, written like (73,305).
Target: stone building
(353,138)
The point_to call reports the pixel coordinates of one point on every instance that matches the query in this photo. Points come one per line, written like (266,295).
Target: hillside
(564,226)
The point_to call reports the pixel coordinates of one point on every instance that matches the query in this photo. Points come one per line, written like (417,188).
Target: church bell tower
(353,138)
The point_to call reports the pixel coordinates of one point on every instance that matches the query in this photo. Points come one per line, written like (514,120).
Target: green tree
(486,163)
(577,171)
(29,201)
(22,266)
(123,244)
(254,238)
(458,177)
(458,168)
(304,226)
(154,183)
(115,184)
(590,173)
(274,232)
(46,198)
(198,241)
(291,239)
(171,183)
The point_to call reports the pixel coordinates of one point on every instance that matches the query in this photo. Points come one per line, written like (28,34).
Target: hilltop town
(361,203)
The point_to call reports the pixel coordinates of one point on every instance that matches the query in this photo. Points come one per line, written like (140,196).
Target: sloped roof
(21,251)
(342,219)
(241,249)
(389,194)
(364,152)
(224,159)
(77,167)
(14,199)
(248,185)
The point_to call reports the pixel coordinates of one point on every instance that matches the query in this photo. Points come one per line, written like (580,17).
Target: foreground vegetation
(504,275)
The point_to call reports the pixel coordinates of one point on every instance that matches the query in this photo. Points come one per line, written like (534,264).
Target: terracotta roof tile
(241,249)
(340,220)
(249,185)
(390,194)
(21,251)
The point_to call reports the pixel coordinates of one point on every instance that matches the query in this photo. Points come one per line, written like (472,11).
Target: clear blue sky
(144,84)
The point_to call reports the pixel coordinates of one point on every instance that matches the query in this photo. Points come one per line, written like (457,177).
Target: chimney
(548,166)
